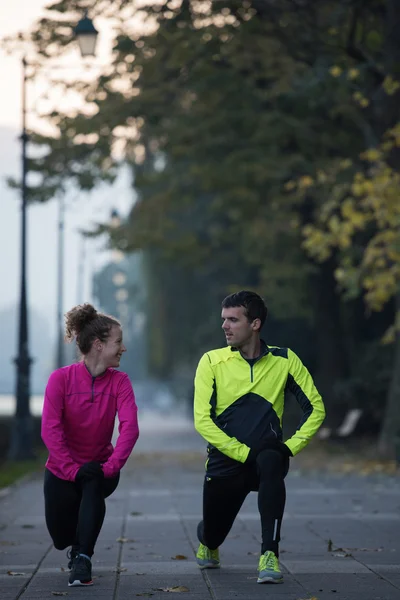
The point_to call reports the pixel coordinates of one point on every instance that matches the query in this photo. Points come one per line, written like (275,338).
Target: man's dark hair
(252,302)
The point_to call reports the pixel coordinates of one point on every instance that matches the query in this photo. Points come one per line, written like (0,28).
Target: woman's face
(113,348)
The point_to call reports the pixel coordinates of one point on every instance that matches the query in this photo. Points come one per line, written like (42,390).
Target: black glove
(268,445)
(89,470)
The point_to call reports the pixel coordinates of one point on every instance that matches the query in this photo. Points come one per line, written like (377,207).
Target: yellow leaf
(335,71)
(357,189)
(390,85)
(305,181)
(346,163)
(372,155)
(289,185)
(353,73)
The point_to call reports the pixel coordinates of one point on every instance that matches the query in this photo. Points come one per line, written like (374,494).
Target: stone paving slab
(340,536)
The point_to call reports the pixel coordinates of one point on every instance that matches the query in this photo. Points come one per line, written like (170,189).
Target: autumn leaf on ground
(28,526)
(330,545)
(179,557)
(178,588)
(120,569)
(136,514)
(6,543)
(15,574)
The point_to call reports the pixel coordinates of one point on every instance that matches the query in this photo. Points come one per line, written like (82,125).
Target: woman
(80,406)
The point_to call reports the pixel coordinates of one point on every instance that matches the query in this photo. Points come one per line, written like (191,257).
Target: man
(238,408)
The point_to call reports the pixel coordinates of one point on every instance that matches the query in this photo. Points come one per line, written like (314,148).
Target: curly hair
(84,323)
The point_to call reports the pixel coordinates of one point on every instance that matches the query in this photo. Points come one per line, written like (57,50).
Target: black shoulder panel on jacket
(282,352)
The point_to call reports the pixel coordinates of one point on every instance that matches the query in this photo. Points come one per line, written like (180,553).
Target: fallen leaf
(28,526)
(135,513)
(179,557)
(6,543)
(60,593)
(62,569)
(252,553)
(15,574)
(120,569)
(140,573)
(178,588)
(122,540)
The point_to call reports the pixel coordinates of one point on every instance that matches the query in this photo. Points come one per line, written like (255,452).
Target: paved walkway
(341,534)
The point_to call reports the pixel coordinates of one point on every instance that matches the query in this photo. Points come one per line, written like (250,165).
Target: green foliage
(238,120)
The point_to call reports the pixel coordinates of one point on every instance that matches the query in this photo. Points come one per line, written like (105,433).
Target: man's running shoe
(207,559)
(81,572)
(268,569)
(72,554)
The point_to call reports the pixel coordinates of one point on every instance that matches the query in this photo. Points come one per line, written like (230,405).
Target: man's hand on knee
(268,445)
(90,470)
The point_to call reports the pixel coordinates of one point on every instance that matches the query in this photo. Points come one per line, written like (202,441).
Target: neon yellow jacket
(237,404)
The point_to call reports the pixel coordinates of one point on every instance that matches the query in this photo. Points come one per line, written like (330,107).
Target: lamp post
(21,435)
(86,35)
(60,285)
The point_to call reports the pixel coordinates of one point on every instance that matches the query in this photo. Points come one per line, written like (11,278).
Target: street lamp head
(86,34)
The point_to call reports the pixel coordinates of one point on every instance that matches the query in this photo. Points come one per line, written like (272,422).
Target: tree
(234,118)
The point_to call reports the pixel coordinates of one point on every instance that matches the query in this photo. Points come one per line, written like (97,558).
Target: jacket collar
(264,349)
(86,373)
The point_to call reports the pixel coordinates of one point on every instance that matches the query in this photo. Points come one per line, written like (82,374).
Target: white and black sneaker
(81,572)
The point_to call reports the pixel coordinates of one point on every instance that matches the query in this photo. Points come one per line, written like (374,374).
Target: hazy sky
(81,211)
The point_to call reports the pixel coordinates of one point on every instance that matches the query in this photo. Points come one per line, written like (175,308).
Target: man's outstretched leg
(222,499)
(272,468)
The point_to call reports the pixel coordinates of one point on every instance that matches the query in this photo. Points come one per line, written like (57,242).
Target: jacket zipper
(93,389)
(251,373)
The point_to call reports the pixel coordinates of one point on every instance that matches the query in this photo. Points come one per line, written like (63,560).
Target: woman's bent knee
(61,545)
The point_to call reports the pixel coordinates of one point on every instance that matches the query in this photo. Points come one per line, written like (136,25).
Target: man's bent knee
(270,462)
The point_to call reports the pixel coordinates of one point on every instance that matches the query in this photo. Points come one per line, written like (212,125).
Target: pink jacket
(78,420)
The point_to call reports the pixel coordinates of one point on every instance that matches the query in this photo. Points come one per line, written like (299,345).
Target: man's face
(113,348)
(236,326)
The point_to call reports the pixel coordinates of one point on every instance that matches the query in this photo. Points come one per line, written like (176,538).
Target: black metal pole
(60,285)
(21,437)
(80,286)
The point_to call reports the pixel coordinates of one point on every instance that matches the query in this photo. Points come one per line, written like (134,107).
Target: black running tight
(75,511)
(224,496)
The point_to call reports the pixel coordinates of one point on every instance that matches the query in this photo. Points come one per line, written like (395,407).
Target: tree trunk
(331,348)
(389,440)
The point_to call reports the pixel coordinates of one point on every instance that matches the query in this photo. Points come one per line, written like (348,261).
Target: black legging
(75,511)
(224,496)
